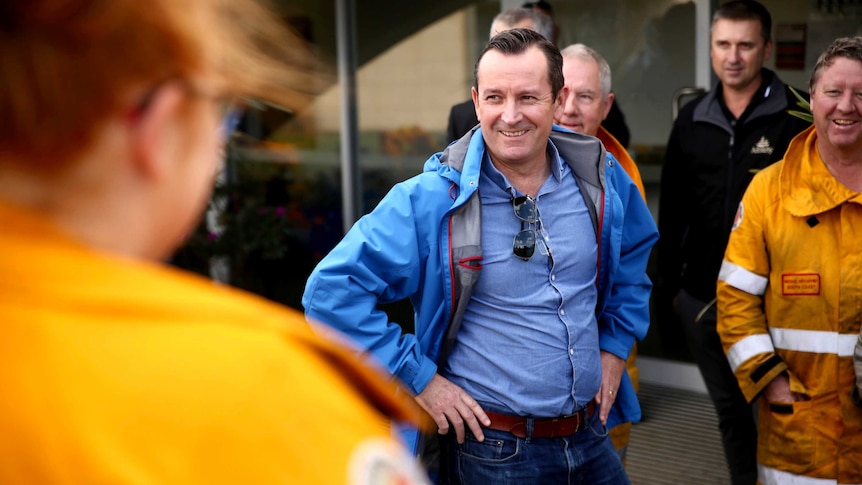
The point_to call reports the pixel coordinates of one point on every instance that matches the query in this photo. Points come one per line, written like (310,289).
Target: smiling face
(738,51)
(515,106)
(585,108)
(836,104)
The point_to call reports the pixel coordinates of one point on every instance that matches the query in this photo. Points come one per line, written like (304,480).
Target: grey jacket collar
(708,110)
(584,154)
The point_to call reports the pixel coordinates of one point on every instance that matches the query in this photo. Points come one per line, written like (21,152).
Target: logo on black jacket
(762,147)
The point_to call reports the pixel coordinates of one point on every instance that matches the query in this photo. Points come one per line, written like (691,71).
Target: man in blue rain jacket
(433,235)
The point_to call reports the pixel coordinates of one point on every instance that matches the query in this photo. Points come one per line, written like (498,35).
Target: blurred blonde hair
(66,65)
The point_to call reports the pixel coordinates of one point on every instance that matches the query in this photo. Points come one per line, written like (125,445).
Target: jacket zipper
(728,189)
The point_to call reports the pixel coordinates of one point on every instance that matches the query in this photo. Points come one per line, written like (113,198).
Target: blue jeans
(587,457)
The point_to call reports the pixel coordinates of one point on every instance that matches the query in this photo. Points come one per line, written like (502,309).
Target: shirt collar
(763,92)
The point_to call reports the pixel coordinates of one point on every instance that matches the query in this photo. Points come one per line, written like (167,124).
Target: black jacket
(708,165)
(462,118)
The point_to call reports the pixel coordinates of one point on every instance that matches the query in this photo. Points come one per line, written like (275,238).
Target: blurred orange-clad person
(114,367)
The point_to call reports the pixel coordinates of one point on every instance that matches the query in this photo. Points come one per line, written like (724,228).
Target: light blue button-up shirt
(529,343)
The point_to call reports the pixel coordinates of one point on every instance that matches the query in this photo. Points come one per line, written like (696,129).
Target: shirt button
(562,312)
(571,351)
(553,278)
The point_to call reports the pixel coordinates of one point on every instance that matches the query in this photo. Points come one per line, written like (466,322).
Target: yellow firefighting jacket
(126,372)
(790,300)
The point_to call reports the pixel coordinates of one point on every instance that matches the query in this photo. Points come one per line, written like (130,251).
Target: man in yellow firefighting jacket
(790,288)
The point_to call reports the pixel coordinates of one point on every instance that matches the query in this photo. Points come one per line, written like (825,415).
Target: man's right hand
(447,403)
(779,391)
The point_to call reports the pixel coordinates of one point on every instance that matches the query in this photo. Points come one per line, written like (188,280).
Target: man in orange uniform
(115,368)
(588,78)
(790,286)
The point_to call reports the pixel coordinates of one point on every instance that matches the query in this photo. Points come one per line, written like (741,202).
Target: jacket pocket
(785,436)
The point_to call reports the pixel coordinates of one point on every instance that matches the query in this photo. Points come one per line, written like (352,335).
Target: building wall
(413,84)
(649,44)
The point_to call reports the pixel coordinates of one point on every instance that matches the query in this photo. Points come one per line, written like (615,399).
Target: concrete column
(703,21)
(345,24)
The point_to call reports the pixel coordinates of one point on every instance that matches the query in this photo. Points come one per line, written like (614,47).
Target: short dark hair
(517,41)
(541,22)
(746,10)
(846,47)
(541,5)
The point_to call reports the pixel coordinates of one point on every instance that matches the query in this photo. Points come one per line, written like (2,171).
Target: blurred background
(295,181)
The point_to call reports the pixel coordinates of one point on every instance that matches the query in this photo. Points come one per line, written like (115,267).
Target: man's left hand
(612,372)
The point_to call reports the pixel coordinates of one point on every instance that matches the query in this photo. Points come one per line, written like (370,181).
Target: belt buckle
(565,426)
(578,418)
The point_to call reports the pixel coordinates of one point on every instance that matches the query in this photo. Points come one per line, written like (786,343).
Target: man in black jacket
(718,143)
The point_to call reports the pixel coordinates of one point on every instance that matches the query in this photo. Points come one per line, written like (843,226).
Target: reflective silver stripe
(742,279)
(814,341)
(748,348)
(771,476)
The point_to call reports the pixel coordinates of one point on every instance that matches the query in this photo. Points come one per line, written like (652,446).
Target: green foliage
(802,103)
(247,226)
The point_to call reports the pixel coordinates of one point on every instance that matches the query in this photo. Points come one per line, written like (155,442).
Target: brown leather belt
(542,427)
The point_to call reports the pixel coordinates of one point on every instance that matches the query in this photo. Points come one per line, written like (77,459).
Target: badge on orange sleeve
(800,284)
(737,219)
(381,462)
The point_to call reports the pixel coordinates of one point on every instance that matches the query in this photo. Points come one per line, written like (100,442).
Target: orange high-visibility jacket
(621,433)
(790,300)
(622,155)
(121,371)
